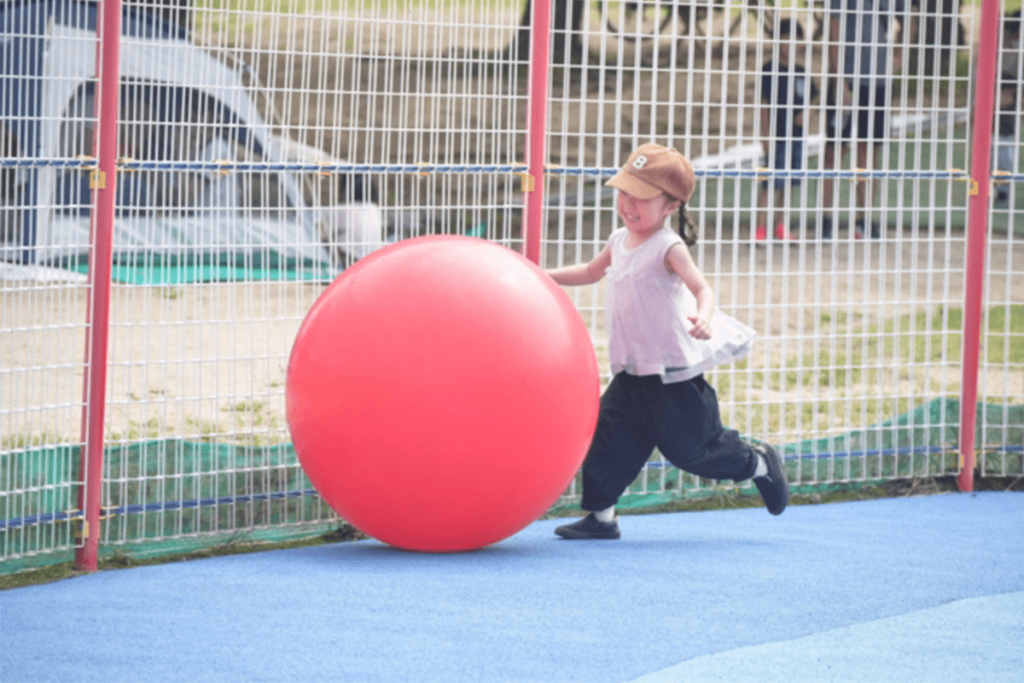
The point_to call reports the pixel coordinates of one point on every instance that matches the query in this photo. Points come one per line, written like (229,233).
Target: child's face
(1007,97)
(644,216)
(784,48)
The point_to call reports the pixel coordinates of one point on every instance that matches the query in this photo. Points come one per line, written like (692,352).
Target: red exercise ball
(442,393)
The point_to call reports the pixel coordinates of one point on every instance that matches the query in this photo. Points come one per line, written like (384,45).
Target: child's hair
(786,27)
(1011,24)
(688,229)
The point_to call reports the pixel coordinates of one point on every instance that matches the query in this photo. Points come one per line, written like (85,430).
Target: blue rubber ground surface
(908,589)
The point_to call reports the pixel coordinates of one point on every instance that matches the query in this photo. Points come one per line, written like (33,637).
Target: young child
(862,62)
(785,93)
(665,332)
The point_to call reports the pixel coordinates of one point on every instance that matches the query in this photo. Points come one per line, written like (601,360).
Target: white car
(202,180)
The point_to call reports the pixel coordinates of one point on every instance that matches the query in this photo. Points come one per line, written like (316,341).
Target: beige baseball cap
(653,169)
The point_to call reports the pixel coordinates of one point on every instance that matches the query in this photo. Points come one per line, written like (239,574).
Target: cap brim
(633,186)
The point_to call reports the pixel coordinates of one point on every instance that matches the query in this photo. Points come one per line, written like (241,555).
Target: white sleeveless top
(647,311)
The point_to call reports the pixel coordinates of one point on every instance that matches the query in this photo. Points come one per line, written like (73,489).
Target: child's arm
(583,273)
(679,261)
(765,110)
(766,116)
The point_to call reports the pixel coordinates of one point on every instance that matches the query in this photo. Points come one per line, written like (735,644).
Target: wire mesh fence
(264,146)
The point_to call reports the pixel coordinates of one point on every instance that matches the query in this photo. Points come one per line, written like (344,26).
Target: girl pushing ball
(665,332)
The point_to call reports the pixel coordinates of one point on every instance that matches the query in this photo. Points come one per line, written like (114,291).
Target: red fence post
(536,127)
(977,232)
(103,182)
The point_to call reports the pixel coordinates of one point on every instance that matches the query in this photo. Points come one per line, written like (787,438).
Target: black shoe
(589,527)
(859,232)
(826,228)
(773,486)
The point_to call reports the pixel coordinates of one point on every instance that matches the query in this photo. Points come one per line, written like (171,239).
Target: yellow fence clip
(70,518)
(527,183)
(972,184)
(97,179)
(225,165)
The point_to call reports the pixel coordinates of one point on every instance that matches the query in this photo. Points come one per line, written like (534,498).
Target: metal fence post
(103,182)
(536,128)
(977,229)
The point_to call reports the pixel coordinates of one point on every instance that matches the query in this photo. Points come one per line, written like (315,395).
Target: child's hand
(701,328)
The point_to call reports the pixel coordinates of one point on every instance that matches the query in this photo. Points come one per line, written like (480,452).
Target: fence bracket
(528,182)
(81,531)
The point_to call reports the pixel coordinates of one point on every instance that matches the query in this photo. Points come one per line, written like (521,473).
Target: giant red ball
(442,393)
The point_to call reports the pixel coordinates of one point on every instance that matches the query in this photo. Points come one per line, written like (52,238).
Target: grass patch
(244,17)
(21,442)
(859,369)
(66,570)
(156,489)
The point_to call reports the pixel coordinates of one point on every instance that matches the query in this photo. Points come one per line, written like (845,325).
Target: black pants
(681,419)
(870,111)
